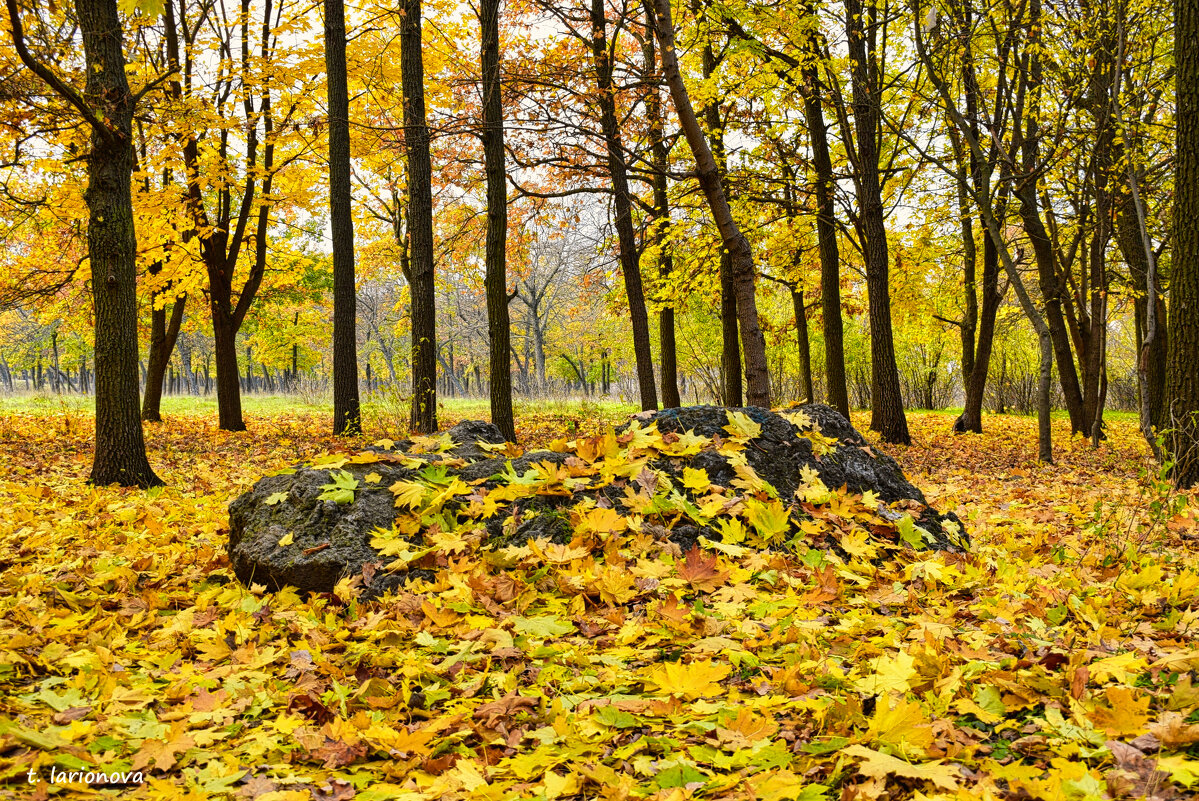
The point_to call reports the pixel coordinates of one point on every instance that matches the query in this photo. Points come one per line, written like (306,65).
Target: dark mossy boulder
(682,475)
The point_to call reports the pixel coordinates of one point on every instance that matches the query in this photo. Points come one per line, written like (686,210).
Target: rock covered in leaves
(728,479)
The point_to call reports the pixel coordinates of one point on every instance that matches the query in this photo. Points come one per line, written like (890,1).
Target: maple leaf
(1172,730)
(503,708)
(1126,714)
(799,418)
(890,673)
(878,765)
(162,754)
(602,521)
(409,493)
(691,681)
(544,626)
(699,570)
(745,729)
(901,724)
(741,427)
(337,753)
(615,584)
(696,480)
(771,520)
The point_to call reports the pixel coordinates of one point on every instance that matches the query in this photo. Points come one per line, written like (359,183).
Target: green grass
(392,407)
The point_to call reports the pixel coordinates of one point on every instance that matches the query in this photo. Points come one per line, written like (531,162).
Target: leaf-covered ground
(1056,661)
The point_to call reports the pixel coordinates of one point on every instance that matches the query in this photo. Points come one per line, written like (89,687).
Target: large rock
(326,534)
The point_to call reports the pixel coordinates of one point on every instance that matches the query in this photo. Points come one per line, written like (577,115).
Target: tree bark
(107,104)
(667,349)
(120,456)
(741,256)
(1182,377)
(626,236)
(347,414)
(730,343)
(886,400)
(1151,326)
(499,327)
(826,237)
(162,342)
(420,223)
(805,350)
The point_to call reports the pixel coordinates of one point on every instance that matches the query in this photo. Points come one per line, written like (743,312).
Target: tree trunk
(826,236)
(1149,310)
(499,326)
(976,384)
(741,256)
(886,400)
(1182,377)
(108,104)
(668,351)
(420,223)
(805,351)
(228,378)
(626,236)
(730,342)
(162,341)
(347,415)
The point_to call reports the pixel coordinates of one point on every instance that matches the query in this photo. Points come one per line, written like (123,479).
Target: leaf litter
(1057,660)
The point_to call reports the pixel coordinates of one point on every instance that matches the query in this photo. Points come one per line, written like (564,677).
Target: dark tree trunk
(107,104)
(163,335)
(969,325)
(668,351)
(120,456)
(228,378)
(56,375)
(826,236)
(626,236)
(1151,339)
(886,400)
(741,256)
(730,343)
(499,326)
(347,416)
(805,351)
(976,381)
(1182,377)
(420,223)
(1102,82)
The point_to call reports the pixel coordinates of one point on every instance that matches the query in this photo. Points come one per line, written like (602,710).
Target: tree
(660,157)
(107,105)
(499,326)
(993,221)
(753,343)
(222,223)
(347,417)
(731,378)
(420,272)
(163,334)
(626,236)
(1182,377)
(802,72)
(862,30)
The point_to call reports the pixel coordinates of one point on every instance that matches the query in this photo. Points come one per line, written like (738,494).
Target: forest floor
(1058,660)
